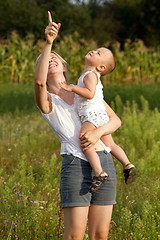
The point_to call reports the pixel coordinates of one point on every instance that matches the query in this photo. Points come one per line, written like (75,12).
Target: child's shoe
(98,181)
(130,173)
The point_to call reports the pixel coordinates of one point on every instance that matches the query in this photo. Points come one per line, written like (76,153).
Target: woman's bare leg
(99,221)
(75,221)
(116,150)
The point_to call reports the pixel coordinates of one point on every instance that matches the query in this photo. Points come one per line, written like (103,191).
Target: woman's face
(55,65)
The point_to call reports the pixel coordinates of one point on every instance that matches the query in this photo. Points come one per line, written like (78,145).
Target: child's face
(96,57)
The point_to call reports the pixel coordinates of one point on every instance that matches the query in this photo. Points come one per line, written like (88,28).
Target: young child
(92,112)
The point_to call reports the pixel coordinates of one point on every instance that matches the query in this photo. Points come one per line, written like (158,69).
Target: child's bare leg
(100,176)
(116,150)
(91,154)
(129,169)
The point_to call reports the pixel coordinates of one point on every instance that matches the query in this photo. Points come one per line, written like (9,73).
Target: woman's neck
(55,88)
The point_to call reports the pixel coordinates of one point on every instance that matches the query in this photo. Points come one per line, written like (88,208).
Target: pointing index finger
(49,17)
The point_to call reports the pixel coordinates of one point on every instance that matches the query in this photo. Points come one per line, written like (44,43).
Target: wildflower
(0,194)
(5,200)
(21,195)
(18,200)
(5,221)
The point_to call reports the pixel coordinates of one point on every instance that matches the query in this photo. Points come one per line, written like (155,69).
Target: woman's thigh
(98,221)
(75,221)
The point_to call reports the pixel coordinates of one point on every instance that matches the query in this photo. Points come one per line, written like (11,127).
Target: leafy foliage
(135,64)
(100,20)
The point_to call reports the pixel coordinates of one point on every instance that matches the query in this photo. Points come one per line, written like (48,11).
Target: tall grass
(30,167)
(29,197)
(135,64)
(19,98)
(17,58)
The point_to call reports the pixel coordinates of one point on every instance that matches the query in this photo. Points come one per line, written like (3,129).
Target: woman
(59,109)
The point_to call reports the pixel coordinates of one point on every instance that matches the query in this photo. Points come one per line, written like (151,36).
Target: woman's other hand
(89,139)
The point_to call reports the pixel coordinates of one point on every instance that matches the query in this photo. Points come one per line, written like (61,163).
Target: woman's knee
(100,236)
(73,236)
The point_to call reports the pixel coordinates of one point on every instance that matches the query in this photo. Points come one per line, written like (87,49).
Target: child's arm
(90,82)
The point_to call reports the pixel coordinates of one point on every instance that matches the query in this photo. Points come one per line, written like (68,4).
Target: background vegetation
(29,150)
(101,20)
(136,63)
(30,167)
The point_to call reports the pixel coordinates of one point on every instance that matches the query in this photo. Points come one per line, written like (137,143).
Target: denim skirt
(76,178)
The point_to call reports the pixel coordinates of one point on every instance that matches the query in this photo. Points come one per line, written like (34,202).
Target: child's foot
(98,181)
(130,173)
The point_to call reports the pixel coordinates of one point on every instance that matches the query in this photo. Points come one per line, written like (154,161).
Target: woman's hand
(51,30)
(89,139)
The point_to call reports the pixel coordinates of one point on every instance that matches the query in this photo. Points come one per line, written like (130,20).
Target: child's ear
(101,68)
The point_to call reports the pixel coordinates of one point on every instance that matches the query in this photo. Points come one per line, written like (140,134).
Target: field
(135,64)
(30,166)
(29,150)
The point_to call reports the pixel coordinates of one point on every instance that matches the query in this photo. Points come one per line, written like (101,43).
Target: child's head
(102,59)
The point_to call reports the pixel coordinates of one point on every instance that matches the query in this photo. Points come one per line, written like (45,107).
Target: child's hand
(66,87)
(51,30)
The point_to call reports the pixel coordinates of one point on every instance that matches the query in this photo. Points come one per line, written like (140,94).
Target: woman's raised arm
(41,70)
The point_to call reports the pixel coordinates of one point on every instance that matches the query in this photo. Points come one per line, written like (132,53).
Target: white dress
(92,110)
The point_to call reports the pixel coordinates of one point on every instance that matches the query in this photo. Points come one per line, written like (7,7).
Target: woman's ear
(64,68)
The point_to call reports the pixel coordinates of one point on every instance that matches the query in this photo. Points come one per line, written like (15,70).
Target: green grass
(151,92)
(30,167)
(17,98)
(20,97)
